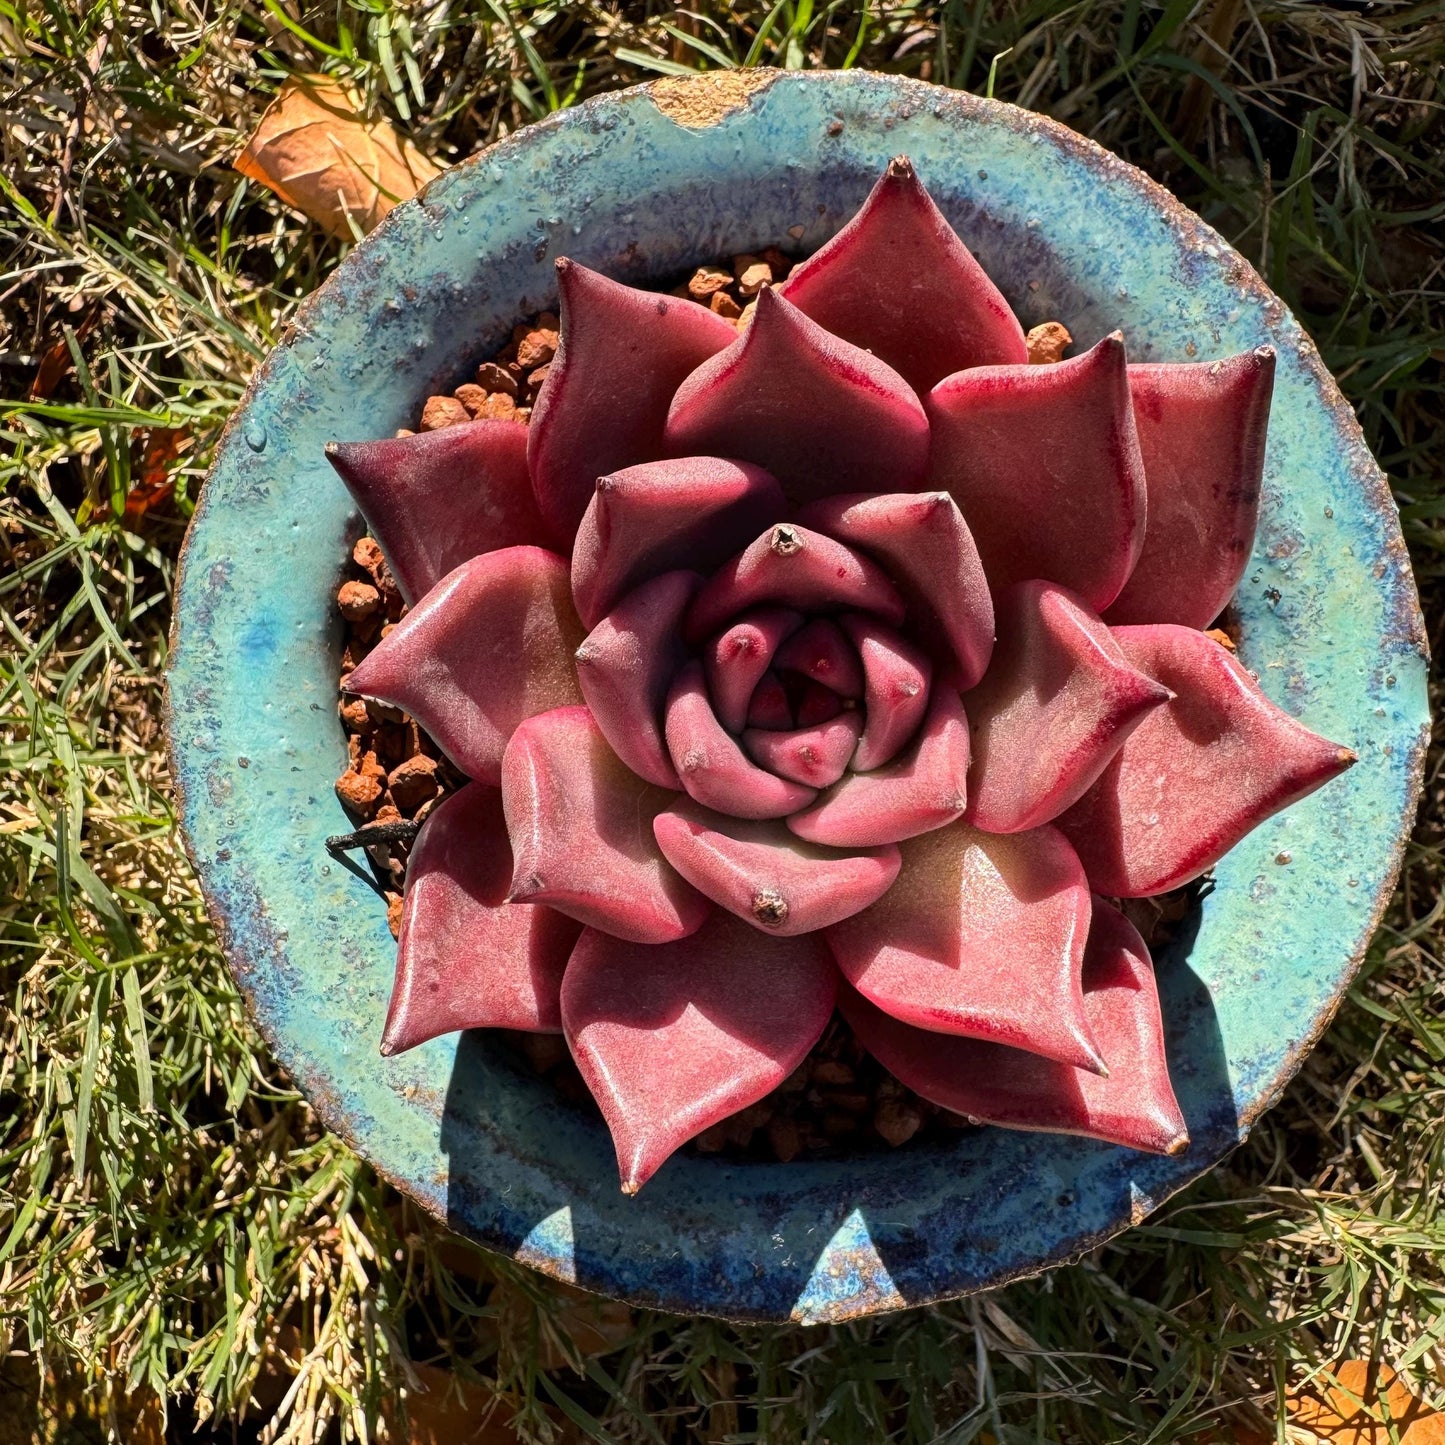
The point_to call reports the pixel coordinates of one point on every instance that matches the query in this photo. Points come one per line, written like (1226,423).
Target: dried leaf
(316,151)
(1360,1403)
(154,482)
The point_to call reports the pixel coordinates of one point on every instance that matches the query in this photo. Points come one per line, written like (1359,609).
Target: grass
(177,1234)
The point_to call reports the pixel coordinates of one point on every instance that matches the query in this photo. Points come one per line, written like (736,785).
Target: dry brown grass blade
(316,150)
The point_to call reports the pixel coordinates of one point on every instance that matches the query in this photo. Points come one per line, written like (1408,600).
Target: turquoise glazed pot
(644,184)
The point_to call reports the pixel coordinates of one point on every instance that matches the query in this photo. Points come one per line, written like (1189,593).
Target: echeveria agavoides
(840,655)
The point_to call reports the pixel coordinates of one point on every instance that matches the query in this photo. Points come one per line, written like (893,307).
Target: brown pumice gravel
(840,1100)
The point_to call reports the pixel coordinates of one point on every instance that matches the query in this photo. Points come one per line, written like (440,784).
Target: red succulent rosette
(845,660)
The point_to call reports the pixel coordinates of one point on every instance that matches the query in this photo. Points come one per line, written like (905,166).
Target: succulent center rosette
(847,659)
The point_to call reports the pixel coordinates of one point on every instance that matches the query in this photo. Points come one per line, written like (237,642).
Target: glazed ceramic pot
(642,185)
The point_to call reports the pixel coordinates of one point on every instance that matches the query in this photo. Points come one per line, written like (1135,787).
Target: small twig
(76,129)
(373,833)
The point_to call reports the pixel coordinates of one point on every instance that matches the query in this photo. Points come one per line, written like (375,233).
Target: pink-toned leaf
(820,651)
(895,690)
(622,355)
(1201,431)
(1055,705)
(793,566)
(581,827)
(920,790)
(897,281)
(626,666)
(672,1039)
(712,766)
(1133,1105)
(438,498)
(1044,463)
(981,936)
(928,550)
(467,958)
(489,645)
(762,873)
(820,414)
(1197,774)
(735,661)
(647,519)
(813,755)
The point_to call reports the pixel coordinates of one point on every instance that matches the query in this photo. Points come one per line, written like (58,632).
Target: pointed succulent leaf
(622,355)
(1133,1104)
(1201,433)
(674,1038)
(793,566)
(626,665)
(896,675)
(762,873)
(647,519)
(820,414)
(820,651)
(489,645)
(924,542)
(1197,774)
(981,936)
(468,959)
(898,282)
(712,766)
(736,660)
(581,828)
(438,498)
(815,756)
(1056,704)
(922,789)
(1044,463)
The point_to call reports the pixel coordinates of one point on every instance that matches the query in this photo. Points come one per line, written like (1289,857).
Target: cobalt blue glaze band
(646,183)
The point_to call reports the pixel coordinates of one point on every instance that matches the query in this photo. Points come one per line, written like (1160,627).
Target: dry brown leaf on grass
(316,150)
(1360,1403)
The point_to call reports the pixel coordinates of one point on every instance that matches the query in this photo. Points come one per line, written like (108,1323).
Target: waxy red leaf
(468,959)
(1201,431)
(792,566)
(626,666)
(622,355)
(1197,774)
(489,645)
(671,1039)
(897,281)
(581,828)
(436,499)
(1044,463)
(896,676)
(923,541)
(1133,1105)
(922,789)
(982,936)
(1055,705)
(765,875)
(820,414)
(814,755)
(648,519)
(711,764)
(735,661)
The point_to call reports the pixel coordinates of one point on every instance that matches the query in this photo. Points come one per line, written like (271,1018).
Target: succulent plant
(844,658)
